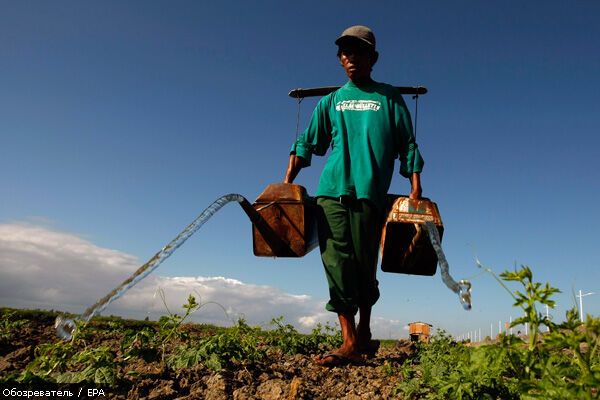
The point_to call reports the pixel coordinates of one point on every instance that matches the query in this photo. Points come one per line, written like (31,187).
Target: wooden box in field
(290,213)
(419,331)
(405,245)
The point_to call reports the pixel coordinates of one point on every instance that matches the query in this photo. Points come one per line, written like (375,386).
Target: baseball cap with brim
(360,32)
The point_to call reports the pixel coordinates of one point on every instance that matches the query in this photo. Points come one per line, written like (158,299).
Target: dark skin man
(357,59)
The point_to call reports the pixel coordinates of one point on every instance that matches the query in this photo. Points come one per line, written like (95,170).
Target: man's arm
(294,166)
(415,182)
(411,161)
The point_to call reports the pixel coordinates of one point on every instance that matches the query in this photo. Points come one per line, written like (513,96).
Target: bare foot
(337,358)
(363,335)
(366,346)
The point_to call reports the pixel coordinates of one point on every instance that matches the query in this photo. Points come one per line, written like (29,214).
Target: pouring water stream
(66,327)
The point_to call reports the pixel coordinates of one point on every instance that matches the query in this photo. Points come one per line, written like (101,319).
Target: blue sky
(121,121)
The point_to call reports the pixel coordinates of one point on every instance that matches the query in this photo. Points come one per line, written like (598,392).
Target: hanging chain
(298,116)
(416,99)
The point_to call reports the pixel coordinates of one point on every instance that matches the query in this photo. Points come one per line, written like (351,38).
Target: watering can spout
(250,211)
(279,247)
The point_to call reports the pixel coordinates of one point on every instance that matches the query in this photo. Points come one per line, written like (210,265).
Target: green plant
(237,344)
(389,369)
(448,370)
(140,343)
(563,364)
(572,365)
(95,365)
(527,300)
(9,325)
(60,361)
(51,360)
(325,337)
(169,326)
(286,338)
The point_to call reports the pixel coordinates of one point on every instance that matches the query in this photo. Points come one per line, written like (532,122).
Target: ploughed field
(170,359)
(165,360)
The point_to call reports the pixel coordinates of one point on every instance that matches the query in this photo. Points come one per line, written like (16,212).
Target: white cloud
(43,268)
(258,304)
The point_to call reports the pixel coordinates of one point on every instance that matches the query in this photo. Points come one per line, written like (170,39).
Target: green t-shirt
(368,128)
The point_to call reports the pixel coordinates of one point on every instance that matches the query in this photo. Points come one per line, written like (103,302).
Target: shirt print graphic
(358,105)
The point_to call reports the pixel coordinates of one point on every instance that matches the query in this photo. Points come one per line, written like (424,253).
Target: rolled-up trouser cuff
(340,305)
(349,234)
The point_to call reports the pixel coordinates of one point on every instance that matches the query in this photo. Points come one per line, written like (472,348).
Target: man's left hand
(415,194)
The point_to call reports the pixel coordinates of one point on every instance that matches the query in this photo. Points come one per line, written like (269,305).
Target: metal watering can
(284,225)
(289,212)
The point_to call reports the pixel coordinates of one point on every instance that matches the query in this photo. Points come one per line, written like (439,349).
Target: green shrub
(237,344)
(8,325)
(286,338)
(563,364)
(95,365)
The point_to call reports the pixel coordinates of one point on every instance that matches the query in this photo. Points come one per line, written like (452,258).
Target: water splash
(462,287)
(66,327)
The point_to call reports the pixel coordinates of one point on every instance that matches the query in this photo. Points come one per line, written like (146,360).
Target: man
(368,126)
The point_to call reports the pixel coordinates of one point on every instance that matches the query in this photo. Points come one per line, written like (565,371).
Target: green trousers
(349,235)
